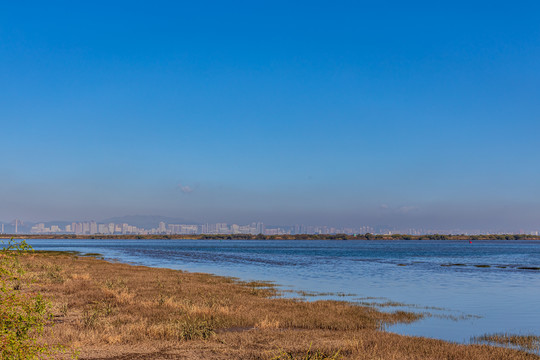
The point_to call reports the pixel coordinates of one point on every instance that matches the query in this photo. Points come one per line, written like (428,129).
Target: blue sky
(345,113)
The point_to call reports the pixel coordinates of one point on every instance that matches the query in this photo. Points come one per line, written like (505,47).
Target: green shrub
(23,315)
(192,329)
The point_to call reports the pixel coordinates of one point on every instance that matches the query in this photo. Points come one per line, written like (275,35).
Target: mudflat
(106,310)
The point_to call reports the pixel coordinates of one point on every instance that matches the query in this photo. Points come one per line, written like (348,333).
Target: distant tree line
(367,236)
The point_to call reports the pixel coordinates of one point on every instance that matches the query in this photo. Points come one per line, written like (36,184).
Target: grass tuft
(306,355)
(527,342)
(193,329)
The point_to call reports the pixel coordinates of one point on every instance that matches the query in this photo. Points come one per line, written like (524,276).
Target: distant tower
(161,228)
(16,226)
(93,227)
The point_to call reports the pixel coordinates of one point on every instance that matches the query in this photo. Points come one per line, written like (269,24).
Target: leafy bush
(192,329)
(23,315)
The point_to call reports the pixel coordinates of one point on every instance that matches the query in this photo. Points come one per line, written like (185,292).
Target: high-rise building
(222,228)
(38,228)
(203,229)
(93,227)
(161,228)
(189,229)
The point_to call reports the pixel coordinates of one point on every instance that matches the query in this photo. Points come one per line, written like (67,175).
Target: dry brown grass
(118,311)
(528,342)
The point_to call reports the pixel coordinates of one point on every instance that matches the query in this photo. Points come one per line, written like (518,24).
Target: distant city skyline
(132,226)
(412,114)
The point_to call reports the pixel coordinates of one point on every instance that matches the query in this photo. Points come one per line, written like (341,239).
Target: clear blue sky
(414,113)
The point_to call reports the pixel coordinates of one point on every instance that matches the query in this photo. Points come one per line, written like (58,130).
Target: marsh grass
(313,294)
(457,264)
(533,268)
(527,342)
(96,255)
(119,311)
(307,355)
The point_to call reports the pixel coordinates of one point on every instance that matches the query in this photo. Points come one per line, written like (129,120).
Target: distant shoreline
(274,237)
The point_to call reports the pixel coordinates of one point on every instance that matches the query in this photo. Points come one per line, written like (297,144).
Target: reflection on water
(468,289)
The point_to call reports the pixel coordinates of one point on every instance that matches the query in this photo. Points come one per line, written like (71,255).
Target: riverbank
(118,311)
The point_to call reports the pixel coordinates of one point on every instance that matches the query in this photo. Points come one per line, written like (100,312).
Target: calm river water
(486,293)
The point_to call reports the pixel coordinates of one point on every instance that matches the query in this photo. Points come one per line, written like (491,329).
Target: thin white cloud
(400,210)
(186,189)
(407,209)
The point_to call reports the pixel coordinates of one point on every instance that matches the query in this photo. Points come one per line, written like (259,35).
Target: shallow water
(465,300)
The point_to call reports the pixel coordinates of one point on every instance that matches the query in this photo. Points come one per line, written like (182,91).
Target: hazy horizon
(413,115)
(376,220)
